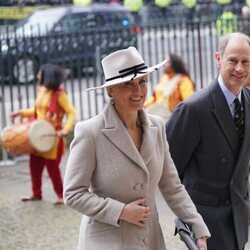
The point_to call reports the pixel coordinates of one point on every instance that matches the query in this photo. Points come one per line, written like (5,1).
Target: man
(209,139)
(226,23)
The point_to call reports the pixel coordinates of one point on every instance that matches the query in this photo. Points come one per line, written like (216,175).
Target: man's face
(234,64)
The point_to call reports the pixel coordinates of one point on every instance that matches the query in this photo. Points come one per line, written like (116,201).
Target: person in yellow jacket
(190,9)
(51,104)
(224,2)
(82,2)
(162,3)
(133,5)
(174,86)
(226,23)
(189,3)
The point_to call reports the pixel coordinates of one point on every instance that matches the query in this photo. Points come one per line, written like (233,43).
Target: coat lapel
(223,116)
(149,138)
(246,97)
(244,150)
(115,131)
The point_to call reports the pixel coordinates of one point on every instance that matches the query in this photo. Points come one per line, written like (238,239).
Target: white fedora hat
(124,65)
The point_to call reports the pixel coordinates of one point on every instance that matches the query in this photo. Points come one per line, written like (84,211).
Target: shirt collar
(227,93)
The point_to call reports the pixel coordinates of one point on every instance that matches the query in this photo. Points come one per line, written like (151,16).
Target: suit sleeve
(177,197)
(77,181)
(183,135)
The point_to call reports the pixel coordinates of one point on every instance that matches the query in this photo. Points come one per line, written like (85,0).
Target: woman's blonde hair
(109,90)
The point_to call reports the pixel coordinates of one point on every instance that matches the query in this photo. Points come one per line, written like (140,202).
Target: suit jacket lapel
(246,99)
(244,150)
(223,116)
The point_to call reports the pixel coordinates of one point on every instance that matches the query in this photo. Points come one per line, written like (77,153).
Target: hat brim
(129,77)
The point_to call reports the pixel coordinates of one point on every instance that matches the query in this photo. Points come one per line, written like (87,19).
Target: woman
(51,104)
(117,160)
(174,86)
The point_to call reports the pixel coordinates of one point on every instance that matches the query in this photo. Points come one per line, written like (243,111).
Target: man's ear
(217,57)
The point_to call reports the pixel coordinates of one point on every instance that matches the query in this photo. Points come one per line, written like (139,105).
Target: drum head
(42,135)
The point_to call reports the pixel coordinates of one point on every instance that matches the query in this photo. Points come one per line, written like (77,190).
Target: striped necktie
(239,117)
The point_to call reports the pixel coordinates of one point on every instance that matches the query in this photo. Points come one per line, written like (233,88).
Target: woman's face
(131,95)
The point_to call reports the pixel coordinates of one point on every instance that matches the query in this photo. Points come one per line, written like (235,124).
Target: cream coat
(105,171)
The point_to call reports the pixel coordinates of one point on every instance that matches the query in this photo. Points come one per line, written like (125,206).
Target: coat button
(144,185)
(145,241)
(223,160)
(137,187)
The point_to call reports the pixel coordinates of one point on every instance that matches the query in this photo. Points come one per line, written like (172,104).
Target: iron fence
(81,53)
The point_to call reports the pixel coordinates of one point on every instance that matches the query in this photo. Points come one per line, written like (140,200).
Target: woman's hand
(136,213)
(202,243)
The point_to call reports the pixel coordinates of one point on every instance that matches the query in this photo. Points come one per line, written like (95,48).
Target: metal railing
(81,52)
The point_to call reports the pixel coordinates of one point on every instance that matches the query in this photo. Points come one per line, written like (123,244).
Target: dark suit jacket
(213,164)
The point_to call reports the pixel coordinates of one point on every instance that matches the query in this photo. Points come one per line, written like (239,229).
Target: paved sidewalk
(41,225)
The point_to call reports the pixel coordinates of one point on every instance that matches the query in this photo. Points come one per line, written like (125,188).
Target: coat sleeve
(67,106)
(77,181)
(182,127)
(177,197)
(27,113)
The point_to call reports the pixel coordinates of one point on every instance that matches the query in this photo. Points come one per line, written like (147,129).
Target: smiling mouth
(137,99)
(238,77)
